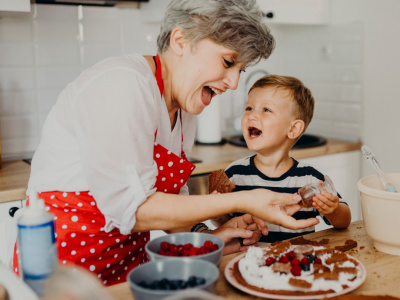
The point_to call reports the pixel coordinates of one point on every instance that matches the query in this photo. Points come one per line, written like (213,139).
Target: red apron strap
(158,74)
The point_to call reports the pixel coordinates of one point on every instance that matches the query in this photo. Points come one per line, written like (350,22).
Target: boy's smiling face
(268,119)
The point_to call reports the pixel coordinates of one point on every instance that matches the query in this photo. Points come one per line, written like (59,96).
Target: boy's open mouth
(254,132)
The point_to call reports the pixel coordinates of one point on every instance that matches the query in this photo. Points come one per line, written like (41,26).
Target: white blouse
(99,137)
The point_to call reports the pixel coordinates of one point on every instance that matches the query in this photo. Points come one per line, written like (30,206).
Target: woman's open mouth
(254,132)
(207,93)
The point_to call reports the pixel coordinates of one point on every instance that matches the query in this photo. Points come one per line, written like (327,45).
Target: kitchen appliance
(86,2)
(209,124)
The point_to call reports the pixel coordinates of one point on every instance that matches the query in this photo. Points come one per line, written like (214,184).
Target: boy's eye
(248,109)
(265,110)
(228,63)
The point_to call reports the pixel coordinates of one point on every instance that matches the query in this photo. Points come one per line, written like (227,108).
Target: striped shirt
(245,175)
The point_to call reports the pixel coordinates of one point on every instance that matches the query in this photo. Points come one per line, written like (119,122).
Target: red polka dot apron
(80,235)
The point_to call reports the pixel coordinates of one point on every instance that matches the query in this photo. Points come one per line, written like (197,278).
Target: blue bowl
(172,269)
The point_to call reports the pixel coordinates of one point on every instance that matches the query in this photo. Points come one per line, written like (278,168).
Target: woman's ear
(296,129)
(177,41)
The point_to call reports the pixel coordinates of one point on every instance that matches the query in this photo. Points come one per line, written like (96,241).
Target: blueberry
(184,285)
(143,284)
(305,267)
(200,281)
(153,285)
(173,285)
(311,258)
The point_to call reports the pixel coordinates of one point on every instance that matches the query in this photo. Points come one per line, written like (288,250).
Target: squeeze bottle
(36,243)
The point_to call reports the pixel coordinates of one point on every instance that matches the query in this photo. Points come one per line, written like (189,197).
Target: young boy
(277,112)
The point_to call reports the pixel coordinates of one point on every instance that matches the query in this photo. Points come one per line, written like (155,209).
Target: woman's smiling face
(205,71)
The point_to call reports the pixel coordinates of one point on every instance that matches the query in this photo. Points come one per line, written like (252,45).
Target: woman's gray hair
(235,24)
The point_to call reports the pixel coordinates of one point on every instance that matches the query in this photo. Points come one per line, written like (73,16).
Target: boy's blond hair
(301,95)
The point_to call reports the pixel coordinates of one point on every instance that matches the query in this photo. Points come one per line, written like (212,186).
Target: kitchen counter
(219,157)
(382,269)
(14,175)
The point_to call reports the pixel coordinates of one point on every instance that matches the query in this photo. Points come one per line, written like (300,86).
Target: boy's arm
(341,217)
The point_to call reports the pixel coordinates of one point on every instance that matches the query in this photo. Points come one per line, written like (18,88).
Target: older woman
(111,164)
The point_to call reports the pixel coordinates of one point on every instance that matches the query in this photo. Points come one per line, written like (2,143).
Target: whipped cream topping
(253,270)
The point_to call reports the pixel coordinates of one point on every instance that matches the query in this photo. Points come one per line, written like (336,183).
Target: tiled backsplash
(42,51)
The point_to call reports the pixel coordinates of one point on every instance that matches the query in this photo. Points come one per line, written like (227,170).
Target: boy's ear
(296,129)
(177,41)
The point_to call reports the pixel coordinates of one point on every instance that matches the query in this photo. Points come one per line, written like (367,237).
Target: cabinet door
(15,5)
(296,11)
(344,170)
(8,231)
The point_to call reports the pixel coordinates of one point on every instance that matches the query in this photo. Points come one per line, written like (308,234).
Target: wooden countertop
(219,157)
(14,175)
(382,269)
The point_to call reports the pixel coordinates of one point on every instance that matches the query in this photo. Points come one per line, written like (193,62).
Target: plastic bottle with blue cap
(36,244)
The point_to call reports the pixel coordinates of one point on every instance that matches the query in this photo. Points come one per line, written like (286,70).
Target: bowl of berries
(162,278)
(197,245)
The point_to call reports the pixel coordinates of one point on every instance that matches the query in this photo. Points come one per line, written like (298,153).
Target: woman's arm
(168,211)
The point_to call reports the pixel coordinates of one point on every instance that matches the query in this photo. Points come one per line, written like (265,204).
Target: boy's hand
(241,232)
(326,203)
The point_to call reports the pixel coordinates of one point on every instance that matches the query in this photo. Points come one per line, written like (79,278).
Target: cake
(285,268)
(218,181)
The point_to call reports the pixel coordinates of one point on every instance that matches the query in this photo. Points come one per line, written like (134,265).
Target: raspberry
(214,247)
(305,261)
(318,261)
(208,244)
(164,246)
(295,270)
(295,262)
(187,246)
(283,259)
(290,255)
(269,261)
(194,251)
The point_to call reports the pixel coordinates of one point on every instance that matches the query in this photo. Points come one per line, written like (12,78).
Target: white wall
(381,96)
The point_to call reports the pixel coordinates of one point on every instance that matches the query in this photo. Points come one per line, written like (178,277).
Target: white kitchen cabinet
(344,170)
(8,231)
(153,11)
(296,11)
(15,5)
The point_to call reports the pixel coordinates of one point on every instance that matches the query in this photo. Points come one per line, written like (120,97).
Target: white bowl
(381,212)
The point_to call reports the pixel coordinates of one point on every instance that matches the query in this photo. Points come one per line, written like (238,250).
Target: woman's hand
(275,208)
(240,232)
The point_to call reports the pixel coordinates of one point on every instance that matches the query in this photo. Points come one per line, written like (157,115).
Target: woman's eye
(228,63)
(242,71)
